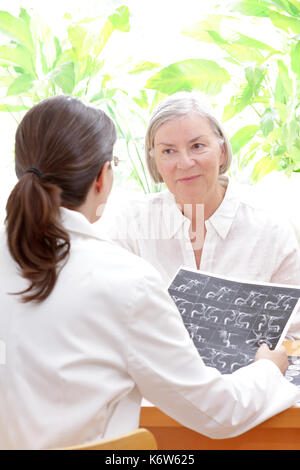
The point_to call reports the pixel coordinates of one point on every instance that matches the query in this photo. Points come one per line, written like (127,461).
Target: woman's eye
(197,146)
(168,151)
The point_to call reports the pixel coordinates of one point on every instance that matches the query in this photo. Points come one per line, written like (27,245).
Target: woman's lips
(188,178)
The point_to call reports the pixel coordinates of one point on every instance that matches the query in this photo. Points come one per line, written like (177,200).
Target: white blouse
(76,365)
(242,241)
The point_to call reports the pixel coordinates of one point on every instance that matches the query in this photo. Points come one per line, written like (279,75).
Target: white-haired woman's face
(188,156)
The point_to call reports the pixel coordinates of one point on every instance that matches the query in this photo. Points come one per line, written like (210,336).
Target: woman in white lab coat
(87,328)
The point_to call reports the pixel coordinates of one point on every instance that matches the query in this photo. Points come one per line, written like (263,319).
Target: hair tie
(35,171)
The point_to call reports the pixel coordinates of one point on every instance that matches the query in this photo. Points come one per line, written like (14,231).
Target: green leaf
(217,38)
(18,55)
(105,34)
(5,80)
(9,108)
(76,36)
(120,19)
(58,51)
(142,100)
(284,84)
(254,76)
(24,15)
(294,7)
(43,59)
(251,7)
(262,168)
(267,122)
(287,6)
(200,74)
(144,66)
(247,41)
(287,23)
(20,85)
(16,28)
(243,53)
(199,31)
(242,137)
(64,77)
(295,58)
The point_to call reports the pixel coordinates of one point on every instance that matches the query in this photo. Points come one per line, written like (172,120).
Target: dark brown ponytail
(67,143)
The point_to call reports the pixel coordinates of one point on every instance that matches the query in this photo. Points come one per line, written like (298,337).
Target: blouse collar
(221,220)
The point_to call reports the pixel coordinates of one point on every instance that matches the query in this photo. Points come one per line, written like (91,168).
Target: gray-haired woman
(202,221)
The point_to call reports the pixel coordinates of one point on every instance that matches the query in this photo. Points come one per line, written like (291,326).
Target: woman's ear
(103,177)
(223,155)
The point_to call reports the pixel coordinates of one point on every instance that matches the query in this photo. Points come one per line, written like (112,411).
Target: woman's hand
(278,356)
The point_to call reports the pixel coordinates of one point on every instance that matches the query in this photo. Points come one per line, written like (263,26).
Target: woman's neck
(195,209)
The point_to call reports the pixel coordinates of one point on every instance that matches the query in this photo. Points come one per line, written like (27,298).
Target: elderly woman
(201,221)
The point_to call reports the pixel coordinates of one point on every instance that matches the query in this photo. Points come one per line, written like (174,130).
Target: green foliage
(259,78)
(35,64)
(270,89)
(204,75)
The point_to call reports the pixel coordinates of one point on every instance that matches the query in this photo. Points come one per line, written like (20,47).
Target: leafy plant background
(243,55)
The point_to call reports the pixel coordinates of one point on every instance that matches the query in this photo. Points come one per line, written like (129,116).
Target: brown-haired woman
(88,330)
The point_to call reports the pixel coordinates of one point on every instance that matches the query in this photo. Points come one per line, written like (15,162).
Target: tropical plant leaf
(287,23)
(267,122)
(286,81)
(255,77)
(295,58)
(294,7)
(13,108)
(64,77)
(200,74)
(251,7)
(142,99)
(199,30)
(262,168)
(18,55)
(77,36)
(288,6)
(16,28)
(5,80)
(247,41)
(242,137)
(105,34)
(243,53)
(20,85)
(43,58)
(144,66)
(120,19)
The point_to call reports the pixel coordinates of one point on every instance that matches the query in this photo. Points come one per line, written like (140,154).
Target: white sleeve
(287,270)
(169,372)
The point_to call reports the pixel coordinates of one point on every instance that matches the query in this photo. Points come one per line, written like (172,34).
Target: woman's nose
(185,160)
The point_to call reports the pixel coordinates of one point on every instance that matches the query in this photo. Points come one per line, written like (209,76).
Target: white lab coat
(77,365)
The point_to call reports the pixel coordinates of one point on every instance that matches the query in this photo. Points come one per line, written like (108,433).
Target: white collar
(76,222)
(221,220)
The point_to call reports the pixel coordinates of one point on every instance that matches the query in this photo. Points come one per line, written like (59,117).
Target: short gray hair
(178,105)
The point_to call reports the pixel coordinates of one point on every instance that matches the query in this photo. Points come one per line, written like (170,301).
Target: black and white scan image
(293,372)
(229,320)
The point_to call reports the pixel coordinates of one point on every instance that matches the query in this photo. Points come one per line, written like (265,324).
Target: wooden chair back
(140,439)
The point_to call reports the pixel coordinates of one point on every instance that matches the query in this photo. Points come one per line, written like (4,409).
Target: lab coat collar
(221,220)
(76,222)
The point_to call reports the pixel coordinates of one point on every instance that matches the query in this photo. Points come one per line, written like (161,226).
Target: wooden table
(281,432)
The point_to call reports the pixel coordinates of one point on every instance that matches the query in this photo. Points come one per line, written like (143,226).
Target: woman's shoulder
(104,256)
(253,209)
